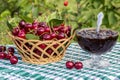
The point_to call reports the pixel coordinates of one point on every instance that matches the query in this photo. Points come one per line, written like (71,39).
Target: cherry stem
(50,28)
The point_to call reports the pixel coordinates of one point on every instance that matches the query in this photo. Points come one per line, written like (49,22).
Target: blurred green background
(78,13)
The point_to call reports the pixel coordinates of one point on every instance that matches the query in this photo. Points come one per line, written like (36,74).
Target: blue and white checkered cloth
(58,70)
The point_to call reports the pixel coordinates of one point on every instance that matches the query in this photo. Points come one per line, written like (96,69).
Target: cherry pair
(9,55)
(71,64)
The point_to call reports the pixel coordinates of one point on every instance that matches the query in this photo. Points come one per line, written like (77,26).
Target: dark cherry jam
(96,43)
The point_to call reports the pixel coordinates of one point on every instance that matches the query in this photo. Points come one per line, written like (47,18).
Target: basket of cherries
(39,43)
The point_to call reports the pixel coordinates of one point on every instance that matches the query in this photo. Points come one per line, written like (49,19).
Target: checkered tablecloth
(58,71)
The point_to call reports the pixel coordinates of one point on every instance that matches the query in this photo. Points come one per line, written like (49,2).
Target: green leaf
(97,4)
(112,18)
(55,22)
(105,20)
(9,26)
(27,19)
(32,36)
(5,13)
(35,12)
(78,1)
(107,2)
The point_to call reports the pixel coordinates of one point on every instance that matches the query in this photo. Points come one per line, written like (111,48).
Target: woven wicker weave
(28,53)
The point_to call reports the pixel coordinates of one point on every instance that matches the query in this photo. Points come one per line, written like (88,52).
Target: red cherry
(21,34)
(40,30)
(15,31)
(42,46)
(69,64)
(53,35)
(49,51)
(11,49)
(22,24)
(42,24)
(47,29)
(11,53)
(61,36)
(61,28)
(56,29)
(46,37)
(28,27)
(2,55)
(13,60)
(78,65)
(35,25)
(2,48)
(8,56)
(55,45)
(38,52)
(66,3)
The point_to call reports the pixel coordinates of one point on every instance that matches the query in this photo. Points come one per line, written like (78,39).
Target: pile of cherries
(42,30)
(8,54)
(71,64)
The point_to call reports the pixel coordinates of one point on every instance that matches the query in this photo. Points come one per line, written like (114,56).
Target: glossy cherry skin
(46,37)
(66,3)
(21,34)
(28,27)
(42,46)
(15,31)
(78,65)
(56,29)
(61,29)
(40,30)
(47,29)
(11,49)
(22,24)
(2,55)
(42,24)
(53,35)
(35,25)
(13,59)
(69,64)
(61,36)
(8,56)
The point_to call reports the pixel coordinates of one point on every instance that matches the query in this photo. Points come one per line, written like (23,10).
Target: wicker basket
(28,49)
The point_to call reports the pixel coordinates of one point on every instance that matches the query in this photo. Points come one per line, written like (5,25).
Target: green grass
(4,38)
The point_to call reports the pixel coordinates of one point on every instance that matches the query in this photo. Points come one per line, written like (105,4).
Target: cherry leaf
(32,36)
(9,26)
(26,18)
(55,22)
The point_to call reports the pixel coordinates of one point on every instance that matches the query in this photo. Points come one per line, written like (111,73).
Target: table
(58,71)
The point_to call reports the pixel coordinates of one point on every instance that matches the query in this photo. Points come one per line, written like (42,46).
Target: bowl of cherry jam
(96,43)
